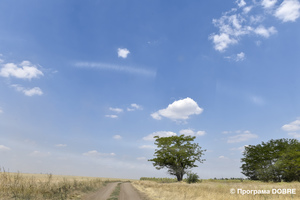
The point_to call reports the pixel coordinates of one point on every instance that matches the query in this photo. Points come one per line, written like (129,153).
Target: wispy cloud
(244,136)
(141,158)
(291,127)
(4,148)
(117,137)
(134,107)
(150,137)
(117,110)
(118,68)
(222,157)
(40,154)
(237,58)
(186,132)
(191,132)
(95,153)
(60,145)
(241,149)
(112,116)
(268,3)
(240,56)
(147,147)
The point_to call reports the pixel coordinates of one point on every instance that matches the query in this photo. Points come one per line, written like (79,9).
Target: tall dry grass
(40,187)
(214,190)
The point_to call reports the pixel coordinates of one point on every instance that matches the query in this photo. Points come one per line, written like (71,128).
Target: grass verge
(18,186)
(217,190)
(115,194)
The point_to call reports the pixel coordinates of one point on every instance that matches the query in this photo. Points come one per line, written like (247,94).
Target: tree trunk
(179,176)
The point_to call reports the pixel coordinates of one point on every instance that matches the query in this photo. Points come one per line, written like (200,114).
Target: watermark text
(257,192)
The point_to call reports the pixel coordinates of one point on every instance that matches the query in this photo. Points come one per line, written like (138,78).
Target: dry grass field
(43,186)
(215,190)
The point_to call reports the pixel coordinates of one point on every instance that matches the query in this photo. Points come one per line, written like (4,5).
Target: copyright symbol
(232,191)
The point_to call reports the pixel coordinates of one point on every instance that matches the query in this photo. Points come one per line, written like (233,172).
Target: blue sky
(85,85)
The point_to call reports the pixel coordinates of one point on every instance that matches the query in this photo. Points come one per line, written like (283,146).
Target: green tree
(289,162)
(177,154)
(275,160)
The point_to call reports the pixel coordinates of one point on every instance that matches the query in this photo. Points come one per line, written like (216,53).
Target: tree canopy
(275,160)
(177,154)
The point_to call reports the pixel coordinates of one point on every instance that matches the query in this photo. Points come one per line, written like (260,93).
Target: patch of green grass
(115,194)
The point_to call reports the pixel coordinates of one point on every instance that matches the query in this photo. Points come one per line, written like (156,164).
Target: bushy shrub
(192,177)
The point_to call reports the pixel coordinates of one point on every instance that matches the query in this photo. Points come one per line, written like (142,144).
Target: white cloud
(200,133)
(141,158)
(222,157)
(4,148)
(289,10)
(25,70)
(40,154)
(246,135)
(117,137)
(134,107)
(112,116)
(191,132)
(123,53)
(234,24)
(240,57)
(231,28)
(118,110)
(28,92)
(256,19)
(241,149)
(160,134)
(60,145)
(95,153)
(268,3)
(261,30)
(295,135)
(179,110)
(247,9)
(33,91)
(291,127)
(241,3)
(1,111)
(147,147)
(222,41)
(226,132)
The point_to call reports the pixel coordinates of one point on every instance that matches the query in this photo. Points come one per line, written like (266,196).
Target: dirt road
(127,192)
(103,193)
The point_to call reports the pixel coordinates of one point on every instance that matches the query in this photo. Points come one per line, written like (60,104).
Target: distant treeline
(159,180)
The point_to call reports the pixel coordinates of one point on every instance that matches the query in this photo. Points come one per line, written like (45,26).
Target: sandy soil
(127,192)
